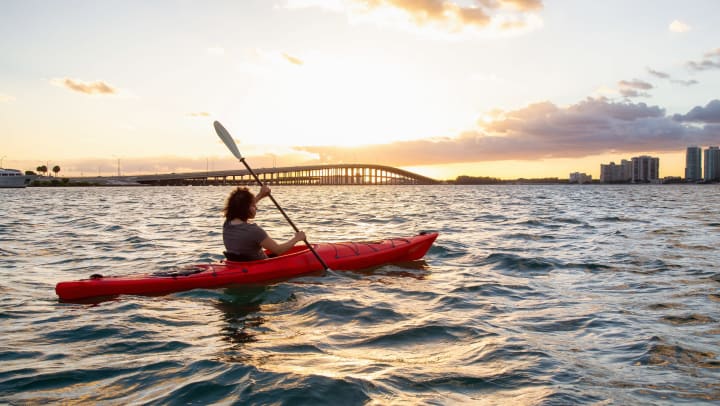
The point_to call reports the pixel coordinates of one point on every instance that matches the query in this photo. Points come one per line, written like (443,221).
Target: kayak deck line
(354,247)
(298,261)
(191,270)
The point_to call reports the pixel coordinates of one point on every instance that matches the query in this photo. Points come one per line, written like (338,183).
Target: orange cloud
(546,131)
(97,87)
(476,13)
(293,60)
(540,131)
(448,16)
(525,5)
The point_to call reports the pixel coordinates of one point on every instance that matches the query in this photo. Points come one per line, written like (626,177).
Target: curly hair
(238,204)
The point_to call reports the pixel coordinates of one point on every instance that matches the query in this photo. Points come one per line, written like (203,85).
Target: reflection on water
(239,307)
(531,295)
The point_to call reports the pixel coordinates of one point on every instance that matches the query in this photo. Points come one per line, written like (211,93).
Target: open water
(531,295)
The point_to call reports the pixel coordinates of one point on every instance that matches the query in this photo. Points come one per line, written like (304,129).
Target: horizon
(439,88)
(118,173)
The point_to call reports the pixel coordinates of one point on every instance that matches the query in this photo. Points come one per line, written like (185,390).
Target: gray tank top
(244,240)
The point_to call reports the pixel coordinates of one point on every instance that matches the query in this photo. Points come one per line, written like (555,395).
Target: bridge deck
(345,174)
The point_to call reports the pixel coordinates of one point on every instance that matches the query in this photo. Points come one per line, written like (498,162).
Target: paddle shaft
(257,179)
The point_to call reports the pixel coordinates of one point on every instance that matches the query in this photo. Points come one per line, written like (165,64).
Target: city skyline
(627,170)
(507,89)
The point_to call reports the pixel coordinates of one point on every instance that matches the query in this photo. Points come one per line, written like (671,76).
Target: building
(580,178)
(613,173)
(692,164)
(712,164)
(645,169)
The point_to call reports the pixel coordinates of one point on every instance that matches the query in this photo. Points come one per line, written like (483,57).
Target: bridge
(341,174)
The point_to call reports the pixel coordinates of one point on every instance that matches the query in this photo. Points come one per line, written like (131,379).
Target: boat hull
(13,178)
(298,261)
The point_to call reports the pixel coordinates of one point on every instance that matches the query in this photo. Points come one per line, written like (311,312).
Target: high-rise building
(712,164)
(580,178)
(612,172)
(692,164)
(626,169)
(645,169)
(606,172)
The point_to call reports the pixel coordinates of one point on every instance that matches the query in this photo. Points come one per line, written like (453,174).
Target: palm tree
(56,169)
(42,169)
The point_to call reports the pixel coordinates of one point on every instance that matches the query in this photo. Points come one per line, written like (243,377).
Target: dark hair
(238,204)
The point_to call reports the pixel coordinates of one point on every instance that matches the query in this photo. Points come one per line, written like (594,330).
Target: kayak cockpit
(232,258)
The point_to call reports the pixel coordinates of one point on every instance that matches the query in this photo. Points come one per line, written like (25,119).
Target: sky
(498,88)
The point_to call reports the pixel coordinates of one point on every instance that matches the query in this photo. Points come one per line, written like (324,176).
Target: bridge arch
(340,174)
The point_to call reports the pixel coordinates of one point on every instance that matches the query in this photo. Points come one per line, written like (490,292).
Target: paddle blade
(227,139)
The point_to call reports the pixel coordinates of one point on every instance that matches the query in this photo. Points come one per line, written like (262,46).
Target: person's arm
(264,191)
(278,249)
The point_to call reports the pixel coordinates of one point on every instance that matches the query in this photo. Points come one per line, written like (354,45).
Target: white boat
(13,178)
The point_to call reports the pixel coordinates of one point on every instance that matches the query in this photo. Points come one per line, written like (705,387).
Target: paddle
(230,143)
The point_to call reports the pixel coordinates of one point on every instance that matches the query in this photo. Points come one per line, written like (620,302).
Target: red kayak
(298,261)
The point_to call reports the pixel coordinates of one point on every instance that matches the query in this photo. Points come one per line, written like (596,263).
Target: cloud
(293,60)
(478,12)
(449,16)
(658,74)
(710,61)
(199,114)
(526,5)
(426,11)
(663,75)
(634,88)
(258,60)
(685,82)
(678,26)
(97,87)
(710,114)
(546,131)
(6,98)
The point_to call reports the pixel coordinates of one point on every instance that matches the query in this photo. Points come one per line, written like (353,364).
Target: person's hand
(264,191)
(300,236)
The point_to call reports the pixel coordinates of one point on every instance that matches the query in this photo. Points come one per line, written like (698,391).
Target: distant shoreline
(317,175)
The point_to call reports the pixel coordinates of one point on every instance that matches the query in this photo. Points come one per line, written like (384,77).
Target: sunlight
(344,102)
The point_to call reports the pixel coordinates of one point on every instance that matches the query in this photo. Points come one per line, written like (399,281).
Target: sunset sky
(501,88)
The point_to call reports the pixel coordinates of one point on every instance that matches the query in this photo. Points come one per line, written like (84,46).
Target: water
(531,295)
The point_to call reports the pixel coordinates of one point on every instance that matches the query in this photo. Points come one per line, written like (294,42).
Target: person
(244,240)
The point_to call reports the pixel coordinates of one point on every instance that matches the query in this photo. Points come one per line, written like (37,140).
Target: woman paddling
(245,240)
